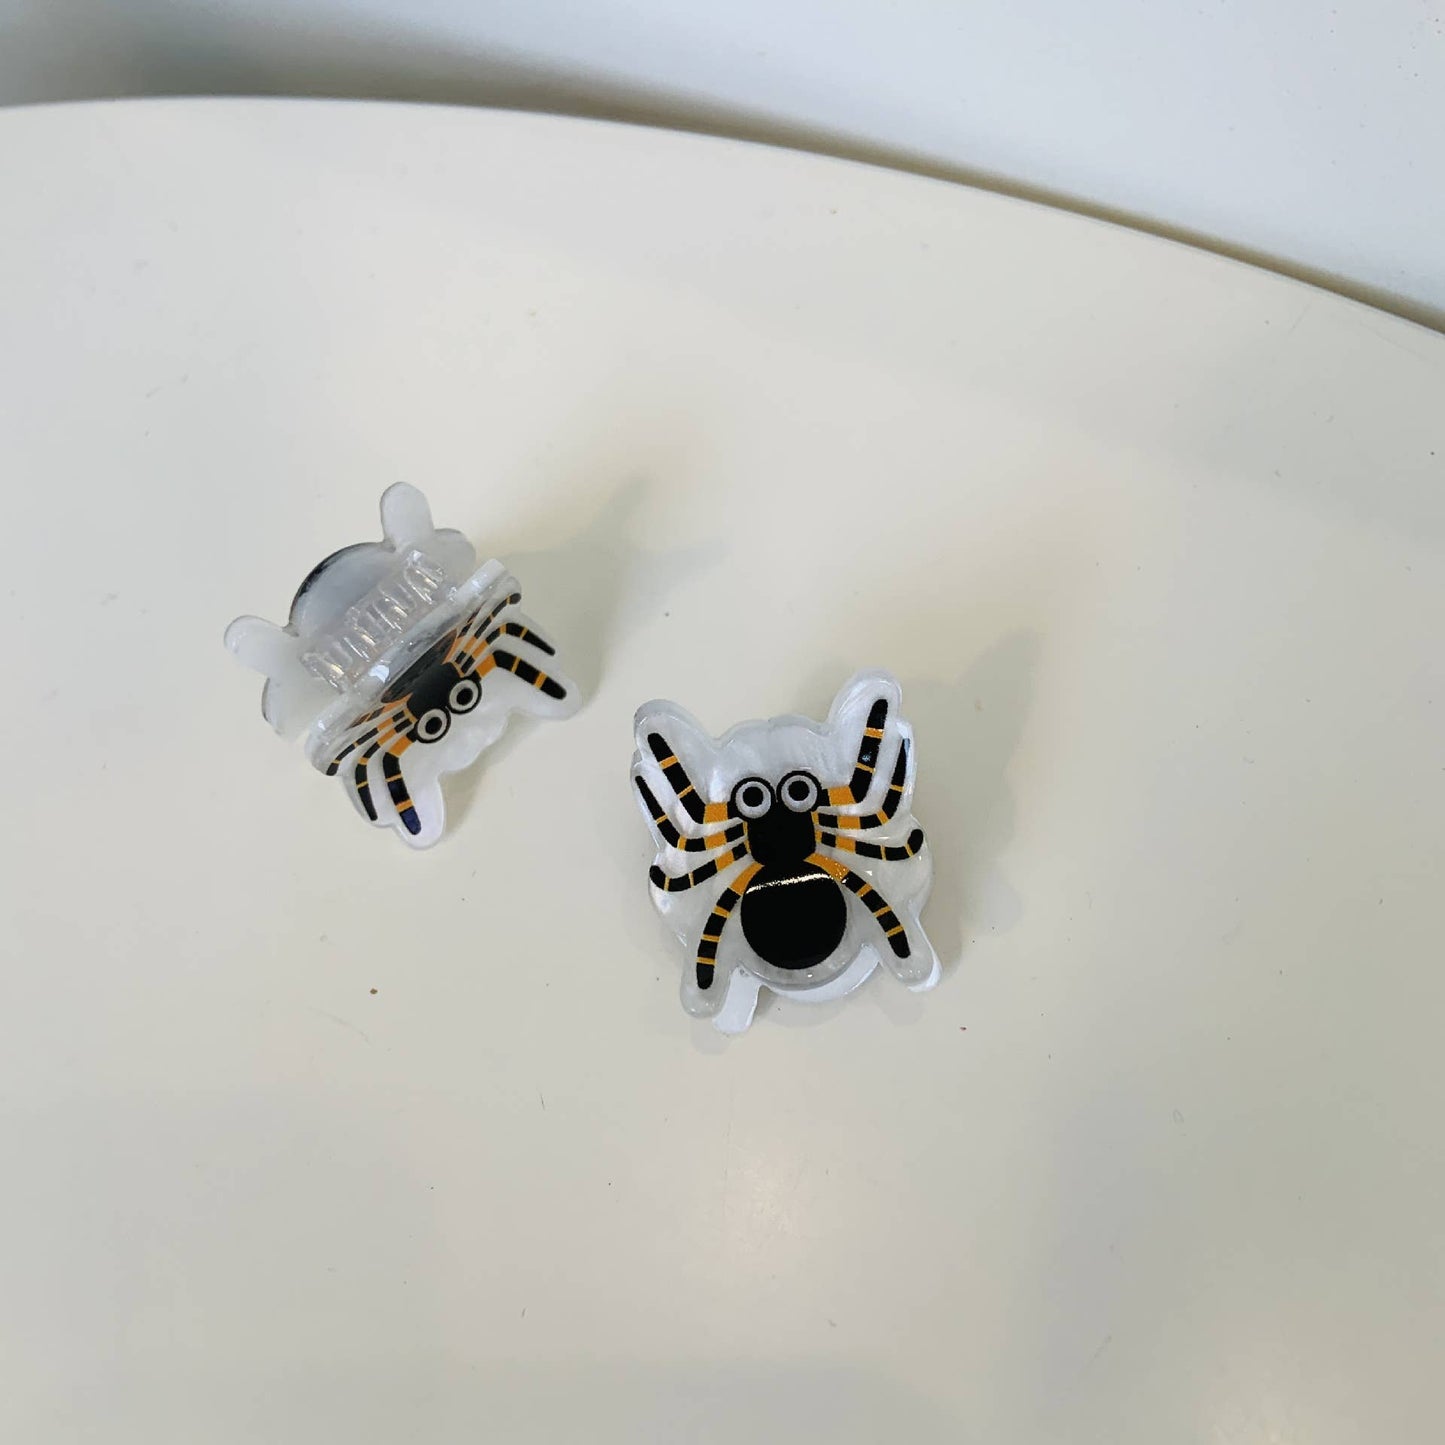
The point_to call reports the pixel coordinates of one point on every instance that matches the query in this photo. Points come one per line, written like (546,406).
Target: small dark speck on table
(373,990)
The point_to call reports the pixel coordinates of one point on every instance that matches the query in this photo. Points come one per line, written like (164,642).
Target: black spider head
(778,817)
(440,693)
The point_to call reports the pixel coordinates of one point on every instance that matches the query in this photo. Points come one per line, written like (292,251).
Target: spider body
(790,894)
(794,916)
(431,689)
(418,705)
(793,913)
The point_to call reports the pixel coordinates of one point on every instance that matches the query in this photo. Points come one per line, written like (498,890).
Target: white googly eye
(752,798)
(799,791)
(465,695)
(432,725)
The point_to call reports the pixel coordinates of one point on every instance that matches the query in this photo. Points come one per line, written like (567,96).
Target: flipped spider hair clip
(402,661)
(787,854)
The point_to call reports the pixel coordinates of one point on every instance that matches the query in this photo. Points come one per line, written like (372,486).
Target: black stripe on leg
(359,741)
(483,620)
(872,734)
(894,795)
(892,852)
(678,882)
(674,838)
(363,787)
(862,778)
(897,935)
(514,664)
(676,776)
(670,832)
(658,814)
(873,901)
(522,634)
(479,621)
(401,799)
(717,920)
(868,748)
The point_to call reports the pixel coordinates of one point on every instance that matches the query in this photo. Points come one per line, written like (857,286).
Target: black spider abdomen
(793,916)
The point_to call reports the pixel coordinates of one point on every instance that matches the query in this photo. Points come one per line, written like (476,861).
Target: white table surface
(312,1138)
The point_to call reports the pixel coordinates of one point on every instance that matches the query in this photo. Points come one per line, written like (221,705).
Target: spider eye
(800,792)
(432,725)
(465,695)
(752,797)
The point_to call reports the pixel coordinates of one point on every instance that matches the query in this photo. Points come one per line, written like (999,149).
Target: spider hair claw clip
(402,661)
(787,851)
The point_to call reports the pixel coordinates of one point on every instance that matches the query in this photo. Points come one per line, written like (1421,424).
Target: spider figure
(789,835)
(420,702)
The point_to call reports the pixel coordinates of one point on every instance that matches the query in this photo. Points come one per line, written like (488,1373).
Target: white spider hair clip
(402,661)
(787,851)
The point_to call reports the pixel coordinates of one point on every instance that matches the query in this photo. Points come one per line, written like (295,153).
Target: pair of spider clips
(786,851)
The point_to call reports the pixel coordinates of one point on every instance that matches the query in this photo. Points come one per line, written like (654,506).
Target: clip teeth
(371,625)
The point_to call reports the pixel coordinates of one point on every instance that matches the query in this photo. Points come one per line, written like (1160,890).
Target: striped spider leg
(835,829)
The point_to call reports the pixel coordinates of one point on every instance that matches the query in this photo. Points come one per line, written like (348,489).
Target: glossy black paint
(793,916)
(427,683)
(793,913)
